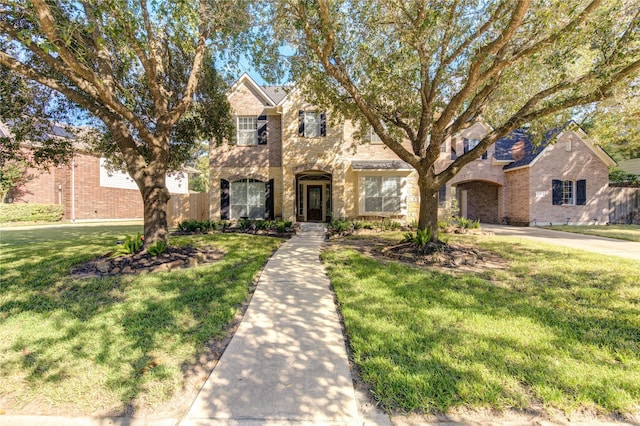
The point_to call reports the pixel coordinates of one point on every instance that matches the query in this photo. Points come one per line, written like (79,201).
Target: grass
(83,346)
(558,328)
(620,232)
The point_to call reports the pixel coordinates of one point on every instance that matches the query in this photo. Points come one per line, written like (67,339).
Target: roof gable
(272,95)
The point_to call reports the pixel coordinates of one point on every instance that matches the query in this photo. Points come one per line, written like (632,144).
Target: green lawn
(620,232)
(82,346)
(557,327)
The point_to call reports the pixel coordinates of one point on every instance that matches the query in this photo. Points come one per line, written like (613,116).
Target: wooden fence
(624,204)
(188,206)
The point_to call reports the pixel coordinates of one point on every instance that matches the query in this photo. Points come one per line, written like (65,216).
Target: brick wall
(90,200)
(517,193)
(556,162)
(482,201)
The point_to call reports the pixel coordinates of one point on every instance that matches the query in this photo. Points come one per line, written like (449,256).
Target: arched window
(247,199)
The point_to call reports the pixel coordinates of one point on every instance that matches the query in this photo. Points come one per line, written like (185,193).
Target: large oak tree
(423,70)
(134,65)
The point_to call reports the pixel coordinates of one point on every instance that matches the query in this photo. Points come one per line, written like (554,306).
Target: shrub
(158,248)
(282,225)
(31,212)
(420,238)
(340,226)
(465,223)
(131,245)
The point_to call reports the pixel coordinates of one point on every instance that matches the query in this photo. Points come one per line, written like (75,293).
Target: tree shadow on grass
(124,336)
(448,340)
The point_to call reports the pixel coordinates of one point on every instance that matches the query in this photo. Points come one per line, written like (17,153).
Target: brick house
(289,161)
(86,188)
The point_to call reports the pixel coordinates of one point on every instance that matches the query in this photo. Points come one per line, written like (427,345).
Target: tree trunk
(155,200)
(428,212)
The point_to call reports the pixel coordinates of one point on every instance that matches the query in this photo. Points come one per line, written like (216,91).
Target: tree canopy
(136,66)
(422,71)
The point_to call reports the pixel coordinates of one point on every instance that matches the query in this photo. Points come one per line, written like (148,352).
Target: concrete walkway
(287,362)
(601,245)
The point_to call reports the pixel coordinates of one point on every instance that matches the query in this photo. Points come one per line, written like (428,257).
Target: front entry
(314,203)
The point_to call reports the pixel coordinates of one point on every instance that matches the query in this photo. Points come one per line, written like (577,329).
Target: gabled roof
(272,95)
(525,154)
(531,151)
(276,93)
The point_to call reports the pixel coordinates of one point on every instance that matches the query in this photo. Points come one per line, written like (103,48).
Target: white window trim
(317,124)
(247,204)
(573,192)
(254,140)
(403,193)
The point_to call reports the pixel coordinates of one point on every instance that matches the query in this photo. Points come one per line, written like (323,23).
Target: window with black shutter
(312,124)
(556,191)
(581,192)
(224,199)
(269,212)
(262,130)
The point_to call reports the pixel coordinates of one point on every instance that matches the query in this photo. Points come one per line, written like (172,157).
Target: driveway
(607,246)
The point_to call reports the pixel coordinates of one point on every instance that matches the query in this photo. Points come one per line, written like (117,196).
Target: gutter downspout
(73,189)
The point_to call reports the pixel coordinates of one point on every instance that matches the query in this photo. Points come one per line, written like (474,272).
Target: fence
(190,206)
(624,204)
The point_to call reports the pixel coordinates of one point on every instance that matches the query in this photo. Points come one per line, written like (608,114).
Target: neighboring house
(630,166)
(87,189)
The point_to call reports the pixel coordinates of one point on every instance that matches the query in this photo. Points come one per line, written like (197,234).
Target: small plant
(340,226)
(245,224)
(420,238)
(131,245)
(394,225)
(158,248)
(465,223)
(358,225)
(282,225)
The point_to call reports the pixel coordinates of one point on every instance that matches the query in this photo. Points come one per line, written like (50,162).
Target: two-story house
(289,161)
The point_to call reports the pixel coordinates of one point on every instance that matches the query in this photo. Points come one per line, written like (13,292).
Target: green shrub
(340,225)
(19,212)
(420,238)
(131,245)
(465,223)
(282,225)
(158,248)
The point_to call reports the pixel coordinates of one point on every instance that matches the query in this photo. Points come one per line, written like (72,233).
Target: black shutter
(301,123)
(262,130)
(224,199)
(485,155)
(581,192)
(323,124)
(269,213)
(556,192)
(454,154)
(465,144)
(442,195)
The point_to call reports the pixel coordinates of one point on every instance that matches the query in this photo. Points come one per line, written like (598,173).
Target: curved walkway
(287,362)
(601,245)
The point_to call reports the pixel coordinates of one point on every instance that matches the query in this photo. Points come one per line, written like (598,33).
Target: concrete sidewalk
(287,362)
(601,245)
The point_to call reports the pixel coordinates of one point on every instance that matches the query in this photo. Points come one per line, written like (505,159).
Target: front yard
(113,345)
(620,232)
(553,328)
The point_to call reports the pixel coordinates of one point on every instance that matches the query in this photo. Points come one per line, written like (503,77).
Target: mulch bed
(173,258)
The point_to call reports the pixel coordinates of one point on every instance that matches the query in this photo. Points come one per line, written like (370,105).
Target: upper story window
(247,130)
(252,130)
(469,144)
(373,137)
(312,124)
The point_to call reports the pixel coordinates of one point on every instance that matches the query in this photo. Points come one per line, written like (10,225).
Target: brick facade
(80,192)
(493,193)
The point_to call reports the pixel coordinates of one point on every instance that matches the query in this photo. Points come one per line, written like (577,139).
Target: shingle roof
(524,154)
(276,93)
(381,165)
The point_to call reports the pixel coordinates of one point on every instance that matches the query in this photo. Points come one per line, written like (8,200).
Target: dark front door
(314,203)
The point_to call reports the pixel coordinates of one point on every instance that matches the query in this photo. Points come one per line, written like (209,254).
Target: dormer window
(470,144)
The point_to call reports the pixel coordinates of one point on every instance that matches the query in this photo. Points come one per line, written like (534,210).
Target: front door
(314,203)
